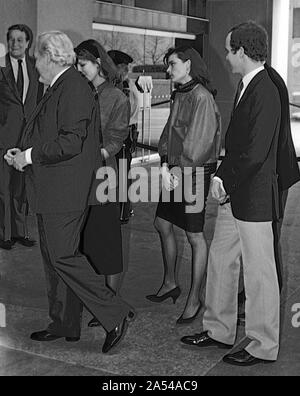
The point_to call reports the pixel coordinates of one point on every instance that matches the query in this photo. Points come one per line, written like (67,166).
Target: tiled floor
(152,345)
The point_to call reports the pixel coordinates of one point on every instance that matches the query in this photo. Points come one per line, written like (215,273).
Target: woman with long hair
(190,141)
(101,237)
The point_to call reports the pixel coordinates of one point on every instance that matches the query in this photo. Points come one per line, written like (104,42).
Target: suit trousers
(13,206)
(71,280)
(253,241)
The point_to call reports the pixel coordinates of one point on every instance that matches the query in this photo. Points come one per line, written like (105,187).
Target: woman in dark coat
(190,140)
(101,237)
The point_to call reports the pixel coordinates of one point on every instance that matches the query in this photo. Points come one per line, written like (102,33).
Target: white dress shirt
(246,81)
(15,67)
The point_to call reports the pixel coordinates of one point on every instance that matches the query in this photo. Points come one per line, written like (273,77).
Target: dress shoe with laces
(44,335)
(115,336)
(7,245)
(243,358)
(203,340)
(25,241)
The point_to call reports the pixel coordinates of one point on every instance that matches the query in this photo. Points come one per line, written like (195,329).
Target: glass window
(147,52)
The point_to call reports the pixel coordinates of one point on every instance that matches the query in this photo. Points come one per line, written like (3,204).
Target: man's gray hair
(58,45)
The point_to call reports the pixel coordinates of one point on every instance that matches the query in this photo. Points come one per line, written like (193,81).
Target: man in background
(19,93)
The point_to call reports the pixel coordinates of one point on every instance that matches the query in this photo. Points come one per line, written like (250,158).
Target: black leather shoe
(243,358)
(44,335)
(115,336)
(25,241)
(7,245)
(203,340)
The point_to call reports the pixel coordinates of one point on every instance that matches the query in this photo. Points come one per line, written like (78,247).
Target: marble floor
(152,345)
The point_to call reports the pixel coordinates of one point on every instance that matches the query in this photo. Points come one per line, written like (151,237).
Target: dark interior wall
(197,8)
(74,17)
(175,6)
(17,11)
(223,15)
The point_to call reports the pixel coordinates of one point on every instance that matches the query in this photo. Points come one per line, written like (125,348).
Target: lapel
(43,101)
(257,78)
(9,76)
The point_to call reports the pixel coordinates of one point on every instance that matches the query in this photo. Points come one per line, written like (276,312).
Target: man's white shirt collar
(58,75)
(249,77)
(16,60)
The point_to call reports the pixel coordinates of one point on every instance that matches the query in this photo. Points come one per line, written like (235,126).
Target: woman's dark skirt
(102,239)
(176,212)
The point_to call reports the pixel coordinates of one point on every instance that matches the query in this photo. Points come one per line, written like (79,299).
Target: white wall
(281,35)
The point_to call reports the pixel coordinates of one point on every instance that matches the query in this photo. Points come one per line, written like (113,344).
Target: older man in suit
(19,94)
(246,185)
(61,144)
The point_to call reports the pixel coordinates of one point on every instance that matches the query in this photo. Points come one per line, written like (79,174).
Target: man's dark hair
(23,28)
(253,38)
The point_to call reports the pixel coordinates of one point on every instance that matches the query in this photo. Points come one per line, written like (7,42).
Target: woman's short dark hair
(22,28)
(253,38)
(199,71)
(91,50)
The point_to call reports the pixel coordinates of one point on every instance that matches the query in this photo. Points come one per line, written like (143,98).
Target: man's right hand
(217,190)
(10,155)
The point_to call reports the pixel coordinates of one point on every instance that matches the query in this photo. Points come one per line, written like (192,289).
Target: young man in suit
(246,186)
(19,94)
(61,145)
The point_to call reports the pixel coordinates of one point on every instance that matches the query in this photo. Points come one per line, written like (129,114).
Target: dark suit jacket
(287,165)
(13,114)
(64,133)
(248,170)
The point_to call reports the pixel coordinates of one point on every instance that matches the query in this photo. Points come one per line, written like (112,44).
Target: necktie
(238,93)
(20,79)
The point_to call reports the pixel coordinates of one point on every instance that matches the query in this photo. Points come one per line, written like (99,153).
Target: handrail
(147,147)
(295,105)
(155,149)
(160,103)
(168,101)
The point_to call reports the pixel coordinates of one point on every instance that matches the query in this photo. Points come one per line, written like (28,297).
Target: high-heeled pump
(182,320)
(174,294)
